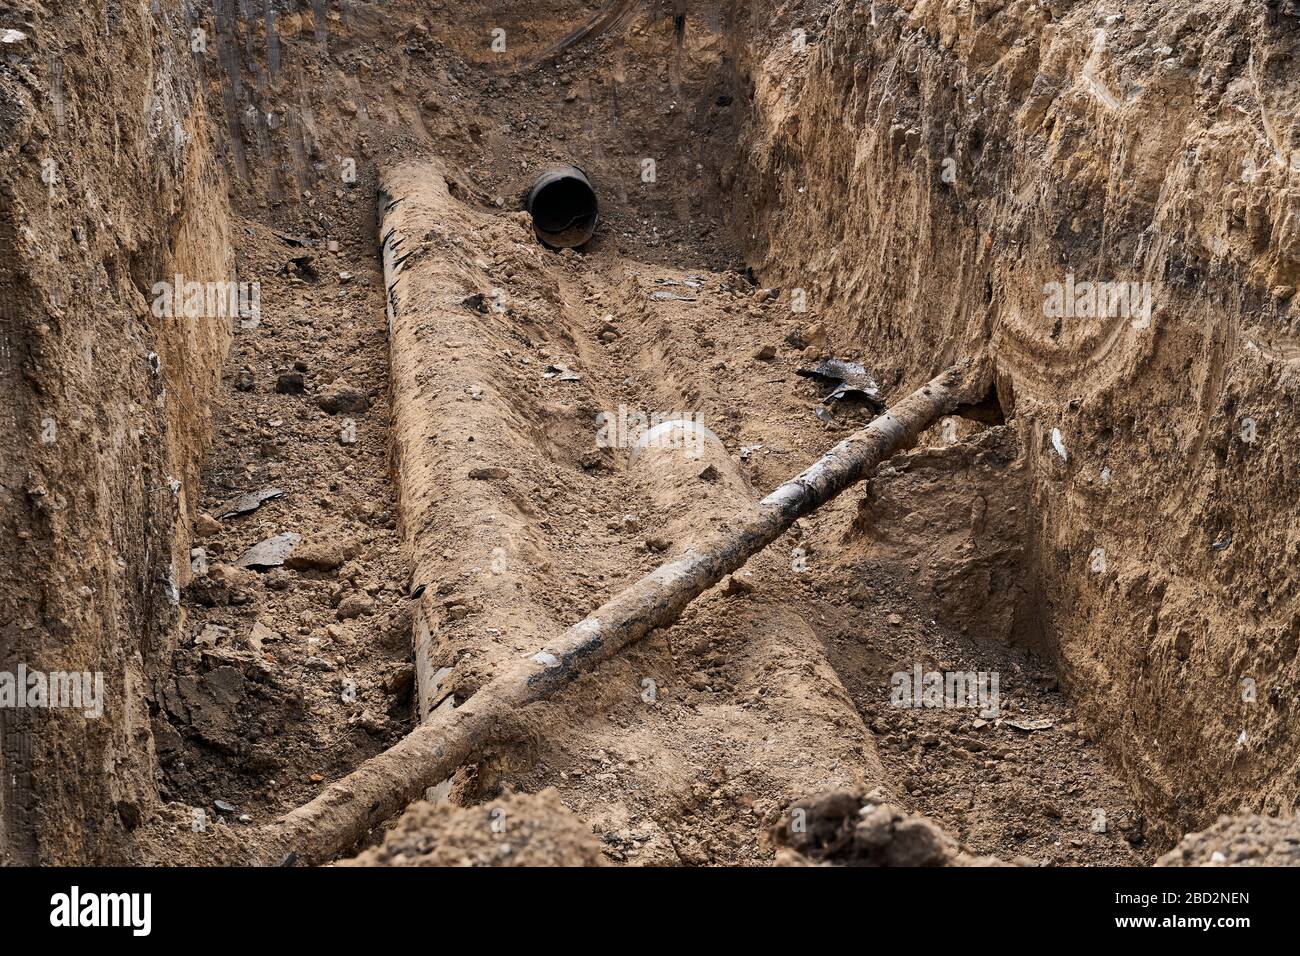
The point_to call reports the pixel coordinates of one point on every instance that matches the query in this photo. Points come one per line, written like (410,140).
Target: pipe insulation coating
(564,207)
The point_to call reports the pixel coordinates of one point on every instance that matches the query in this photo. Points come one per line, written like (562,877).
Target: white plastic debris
(1059,445)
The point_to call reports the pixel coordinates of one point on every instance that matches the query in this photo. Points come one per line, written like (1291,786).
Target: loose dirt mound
(852,829)
(516,830)
(1240,841)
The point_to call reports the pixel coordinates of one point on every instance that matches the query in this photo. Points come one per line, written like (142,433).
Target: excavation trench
(751,690)
(892,188)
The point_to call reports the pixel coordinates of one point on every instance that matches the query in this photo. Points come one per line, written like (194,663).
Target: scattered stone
(658,544)
(737,584)
(260,636)
(1059,444)
(270,553)
(710,473)
(244,380)
(1030,725)
(476,302)
(205,525)
(491,472)
(369,722)
(400,682)
(224,807)
(339,396)
(290,383)
(301,268)
(280,580)
(895,619)
(317,556)
(211,635)
(765,353)
(354,605)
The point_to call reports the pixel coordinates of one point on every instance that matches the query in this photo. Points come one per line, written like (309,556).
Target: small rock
(491,472)
(354,605)
(270,553)
(206,526)
(342,397)
(765,353)
(290,383)
(211,635)
(316,556)
(895,620)
(737,584)
(400,682)
(658,544)
(476,302)
(369,722)
(259,636)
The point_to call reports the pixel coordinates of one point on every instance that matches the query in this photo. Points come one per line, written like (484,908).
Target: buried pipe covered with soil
(348,809)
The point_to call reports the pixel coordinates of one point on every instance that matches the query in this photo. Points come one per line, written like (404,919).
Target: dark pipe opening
(564,208)
(987,411)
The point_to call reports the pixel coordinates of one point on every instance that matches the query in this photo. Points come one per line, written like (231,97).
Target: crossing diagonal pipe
(348,809)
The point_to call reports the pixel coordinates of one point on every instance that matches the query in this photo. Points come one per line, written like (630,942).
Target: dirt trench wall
(107,187)
(925,170)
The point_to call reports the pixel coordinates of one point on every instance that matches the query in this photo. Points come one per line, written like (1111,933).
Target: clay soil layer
(290,531)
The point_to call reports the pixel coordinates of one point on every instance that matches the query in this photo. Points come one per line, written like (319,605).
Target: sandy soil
(775,687)
(442,456)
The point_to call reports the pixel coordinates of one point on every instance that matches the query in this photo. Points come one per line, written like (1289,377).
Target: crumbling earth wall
(931,174)
(108,187)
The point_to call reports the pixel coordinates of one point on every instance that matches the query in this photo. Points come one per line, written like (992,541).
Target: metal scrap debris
(846,380)
(250,502)
(1029,725)
(561,373)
